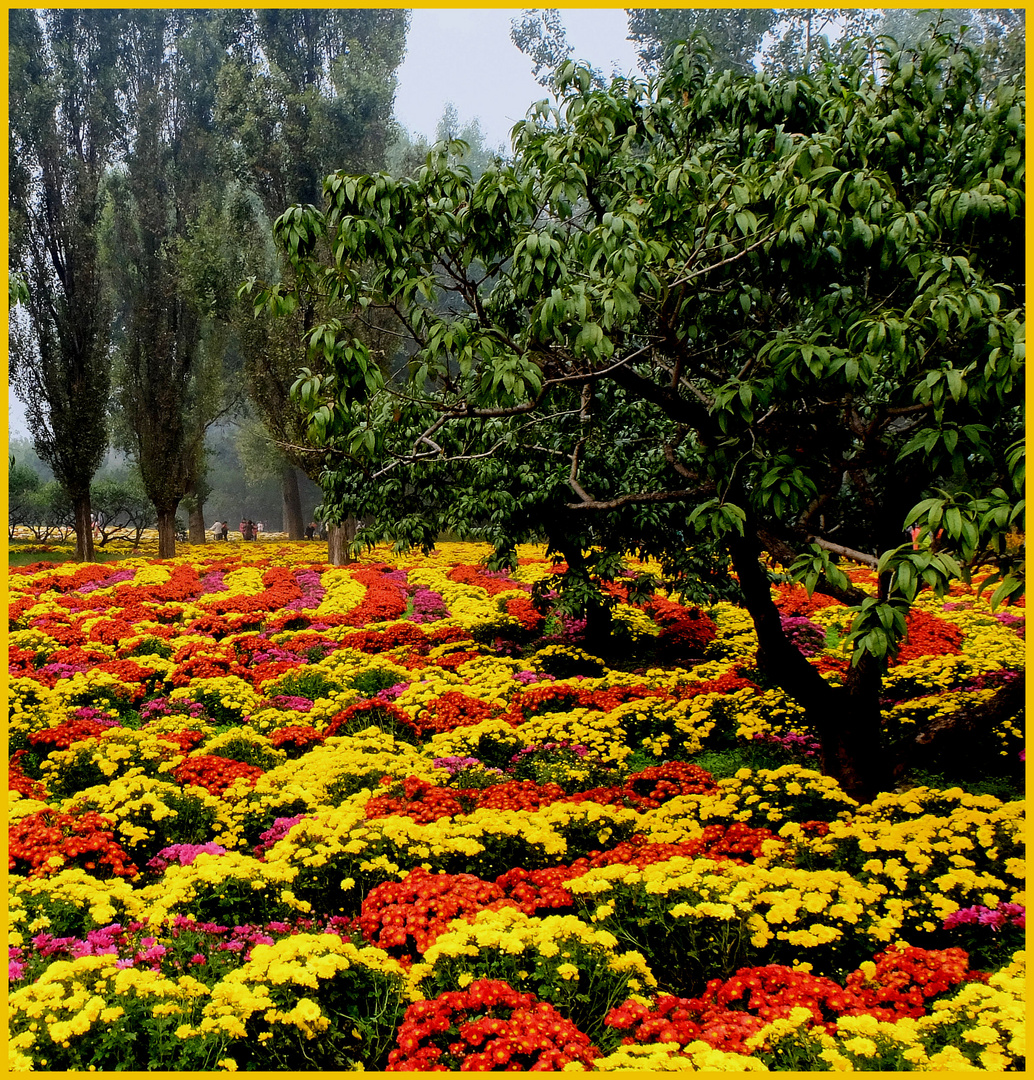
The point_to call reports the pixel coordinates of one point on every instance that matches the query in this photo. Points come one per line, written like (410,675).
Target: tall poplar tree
(160,200)
(65,126)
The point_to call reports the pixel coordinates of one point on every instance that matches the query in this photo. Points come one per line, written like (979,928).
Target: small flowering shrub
(46,842)
(489,1027)
(404,918)
(308,1001)
(270,814)
(215,773)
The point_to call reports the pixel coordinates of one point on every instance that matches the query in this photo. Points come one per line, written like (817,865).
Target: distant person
(243,527)
(224,531)
(310,530)
(259,527)
(249,530)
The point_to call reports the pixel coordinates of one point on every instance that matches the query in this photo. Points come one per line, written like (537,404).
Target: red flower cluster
(906,978)
(541,891)
(926,635)
(525,612)
(422,801)
(548,698)
(730,1011)
(518,795)
(404,917)
(657,784)
(737,842)
(770,992)
(370,712)
(727,683)
(684,1020)
(296,739)
(794,600)
(685,631)
(425,802)
(85,839)
(184,741)
(215,774)
(472,575)
(403,634)
(18,781)
(489,1027)
(61,736)
(384,600)
(451,710)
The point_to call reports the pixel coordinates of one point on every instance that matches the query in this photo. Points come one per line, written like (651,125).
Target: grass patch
(19,556)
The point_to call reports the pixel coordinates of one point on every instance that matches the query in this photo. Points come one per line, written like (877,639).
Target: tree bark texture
(196,524)
(166,532)
(338,539)
(293,523)
(84,550)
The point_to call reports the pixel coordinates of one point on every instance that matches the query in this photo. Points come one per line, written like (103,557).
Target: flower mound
(489,1027)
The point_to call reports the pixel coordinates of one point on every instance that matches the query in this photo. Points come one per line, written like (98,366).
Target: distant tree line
(150,150)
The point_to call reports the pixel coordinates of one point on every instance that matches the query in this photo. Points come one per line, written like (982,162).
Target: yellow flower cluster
(529,940)
(73,996)
(327,774)
(230,692)
(280,984)
(101,902)
(736,640)
(343,592)
(142,809)
(212,882)
(585,727)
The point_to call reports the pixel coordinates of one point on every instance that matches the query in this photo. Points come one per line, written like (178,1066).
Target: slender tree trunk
(166,532)
(196,524)
(83,517)
(294,526)
(338,539)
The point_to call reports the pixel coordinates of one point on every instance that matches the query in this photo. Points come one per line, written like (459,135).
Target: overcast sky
(465,55)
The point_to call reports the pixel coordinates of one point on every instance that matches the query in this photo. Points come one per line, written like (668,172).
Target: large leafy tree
(65,129)
(769,320)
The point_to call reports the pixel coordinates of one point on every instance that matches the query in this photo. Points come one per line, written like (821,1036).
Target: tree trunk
(338,539)
(851,735)
(84,551)
(847,719)
(196,523)
(293,524)
(166,532)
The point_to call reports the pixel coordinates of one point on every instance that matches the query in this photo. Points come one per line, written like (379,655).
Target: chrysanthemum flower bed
(266,813)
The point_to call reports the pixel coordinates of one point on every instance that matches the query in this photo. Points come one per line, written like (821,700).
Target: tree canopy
(728,321)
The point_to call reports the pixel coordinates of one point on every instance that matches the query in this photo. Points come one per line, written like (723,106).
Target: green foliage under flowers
(151,646)
(347,1022)
(306,684)
(371,681)
(557,763)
